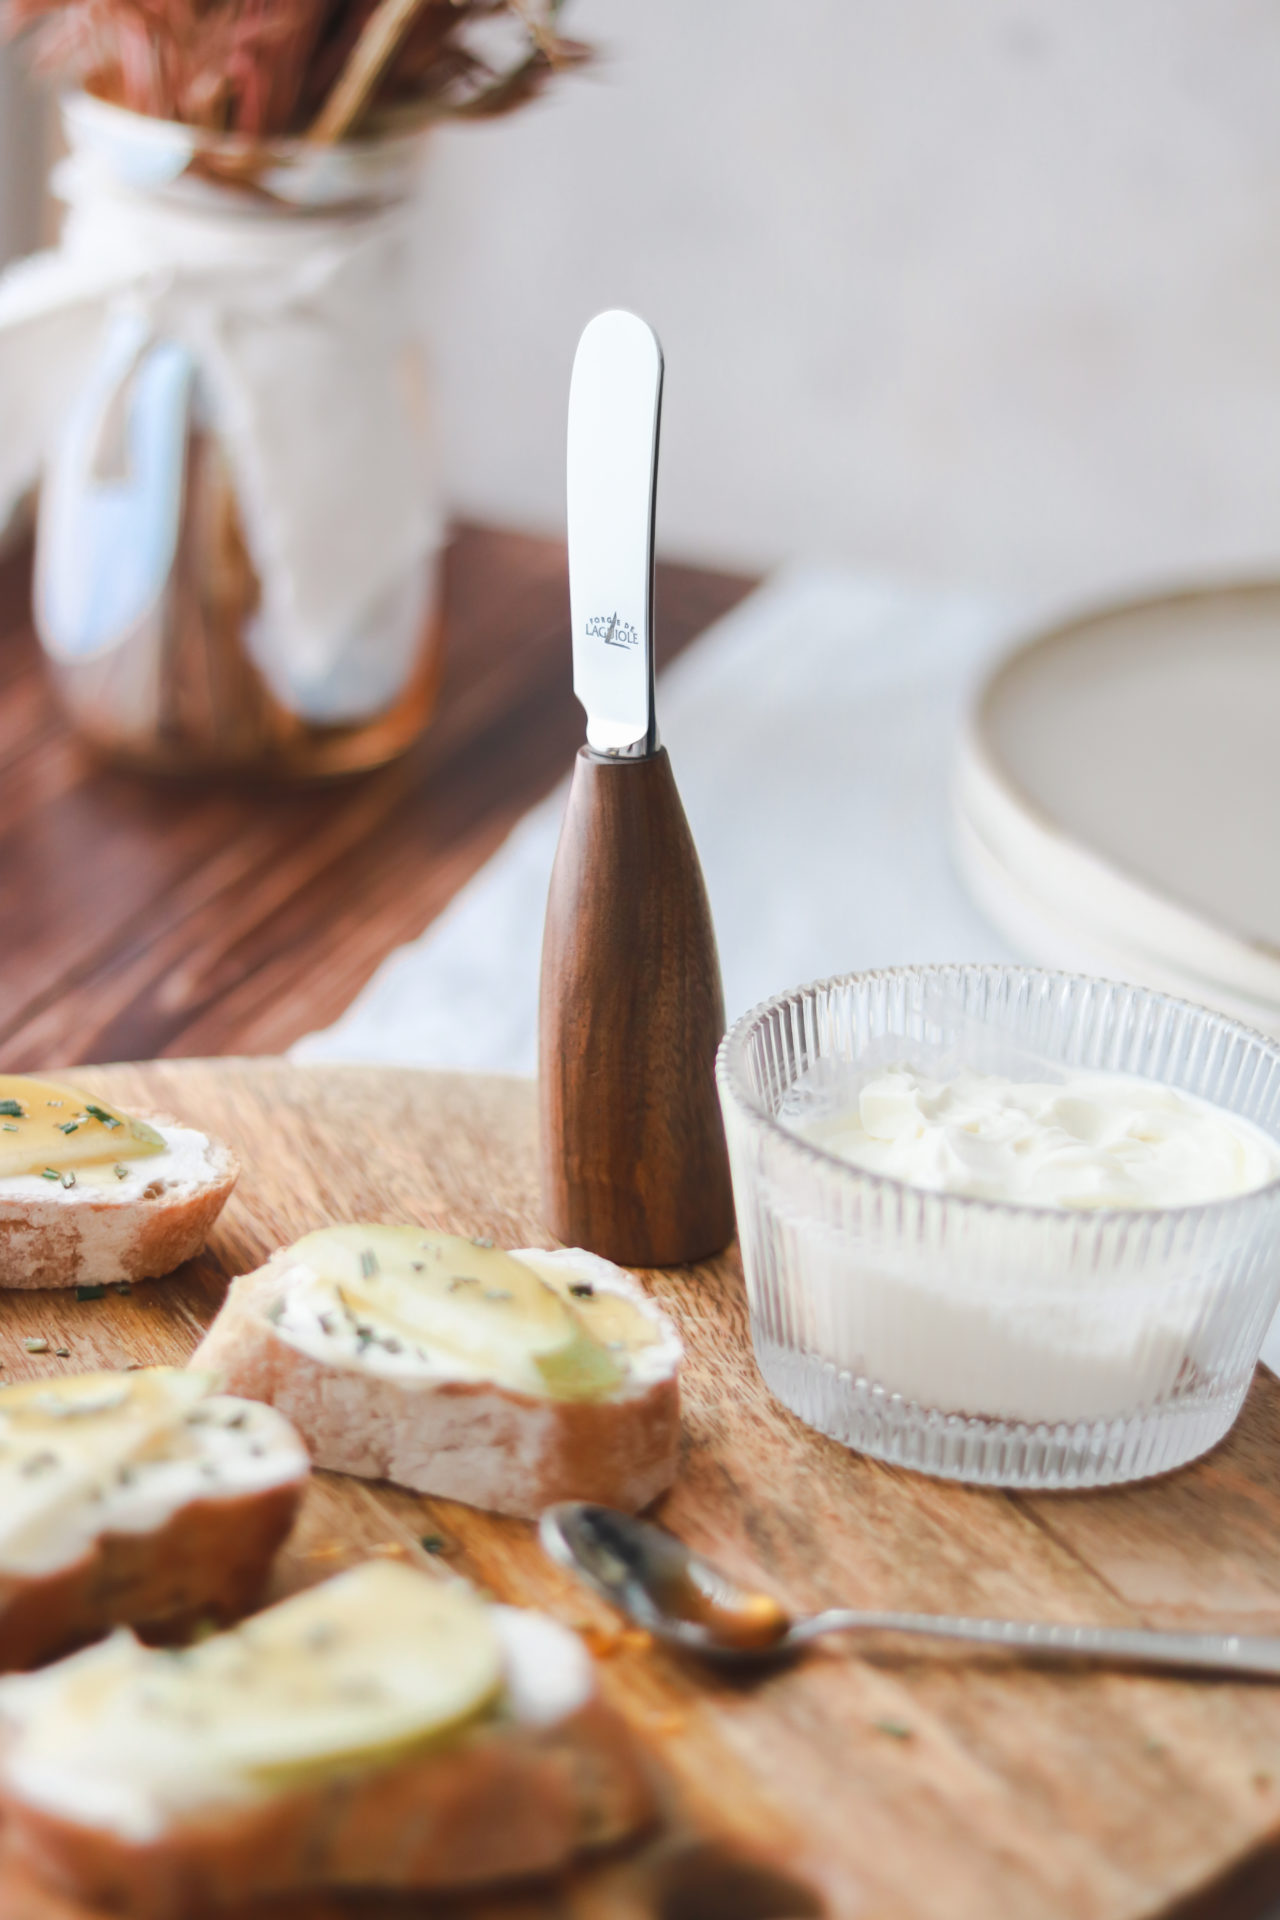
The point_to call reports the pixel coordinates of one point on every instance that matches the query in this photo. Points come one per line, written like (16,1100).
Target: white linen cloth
(296,328)
(811,732)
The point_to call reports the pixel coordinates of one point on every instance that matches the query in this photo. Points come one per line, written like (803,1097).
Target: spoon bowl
(662,1585)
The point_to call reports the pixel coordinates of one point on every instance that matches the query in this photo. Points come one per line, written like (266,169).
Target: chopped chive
(368,1263)
(120,1171)
(433,1543)
(62,1353)
(50,1173)
(121,1286)
(68,1126)
(68,1179)
(897,1729)
(483,1241)
(582,1289)
(14,1109)
(9,1127)
(36,1346)
(100,1113)
(90,1293)
(55,1103)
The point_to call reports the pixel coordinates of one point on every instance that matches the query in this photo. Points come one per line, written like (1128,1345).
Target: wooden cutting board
(884,1783)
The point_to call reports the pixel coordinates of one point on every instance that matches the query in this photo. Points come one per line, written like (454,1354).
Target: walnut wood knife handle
(634,1165)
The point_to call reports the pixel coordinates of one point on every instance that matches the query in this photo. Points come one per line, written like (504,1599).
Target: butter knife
(633,1157)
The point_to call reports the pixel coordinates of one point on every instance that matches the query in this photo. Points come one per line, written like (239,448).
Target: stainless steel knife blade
(615,406)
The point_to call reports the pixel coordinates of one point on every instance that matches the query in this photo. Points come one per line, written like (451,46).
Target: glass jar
(1003,1344)
(238,534)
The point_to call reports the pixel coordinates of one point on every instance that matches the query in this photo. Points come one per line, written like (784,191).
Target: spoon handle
(1225,1652)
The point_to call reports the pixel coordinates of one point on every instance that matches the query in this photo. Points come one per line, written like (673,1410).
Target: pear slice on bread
(507,1380)
(90,1194)
(386,1729)
(144,1498)
(405,1291)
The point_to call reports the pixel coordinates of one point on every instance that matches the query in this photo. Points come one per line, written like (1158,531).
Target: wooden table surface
(143,919)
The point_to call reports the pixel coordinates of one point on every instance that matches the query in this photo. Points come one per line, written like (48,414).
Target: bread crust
(24,1898)
(209,1561)
(505,1802)
(90,1235)
(474,1441)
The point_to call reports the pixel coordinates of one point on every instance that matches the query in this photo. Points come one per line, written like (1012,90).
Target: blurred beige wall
(985,292)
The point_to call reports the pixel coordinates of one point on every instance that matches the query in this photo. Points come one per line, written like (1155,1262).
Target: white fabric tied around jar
(287,335)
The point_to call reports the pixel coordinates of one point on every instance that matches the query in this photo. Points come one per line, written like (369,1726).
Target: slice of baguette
(537,1772)
(439,1431)
(141,1498)
(144,1224)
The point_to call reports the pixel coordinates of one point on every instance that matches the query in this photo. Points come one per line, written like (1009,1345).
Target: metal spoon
(679,1597)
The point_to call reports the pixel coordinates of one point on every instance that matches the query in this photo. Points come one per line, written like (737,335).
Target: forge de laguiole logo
(614,632)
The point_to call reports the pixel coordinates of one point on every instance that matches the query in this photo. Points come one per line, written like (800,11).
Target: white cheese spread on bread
(505,1380)
(90,1195)
(180,1161)
(54,1134)
(411,1304)
(92,1454)
(357,1674)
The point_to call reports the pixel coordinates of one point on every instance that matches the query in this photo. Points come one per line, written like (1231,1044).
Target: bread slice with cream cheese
(89,1194)
(385,1730)
(143,1498)
(507,1381)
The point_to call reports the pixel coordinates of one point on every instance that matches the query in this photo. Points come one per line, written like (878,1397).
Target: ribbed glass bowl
(1009,1345)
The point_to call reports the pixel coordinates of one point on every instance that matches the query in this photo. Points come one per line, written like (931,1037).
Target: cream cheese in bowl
(1006,1225)
(1087,1140)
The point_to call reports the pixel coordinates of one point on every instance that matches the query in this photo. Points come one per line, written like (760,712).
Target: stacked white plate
(1117,802)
